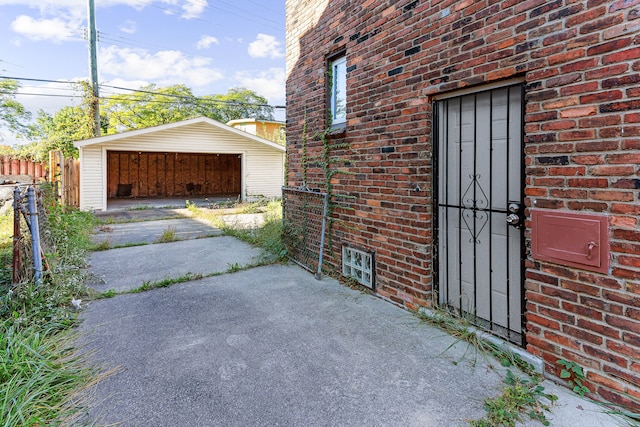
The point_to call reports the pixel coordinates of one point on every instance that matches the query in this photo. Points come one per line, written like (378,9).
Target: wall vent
(359,265)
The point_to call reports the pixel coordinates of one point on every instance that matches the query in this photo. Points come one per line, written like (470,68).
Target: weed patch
(268,237)
(232,268)
(169,234)
(572,372)
(102,246)
(154,284)
(108,294)
(521,396)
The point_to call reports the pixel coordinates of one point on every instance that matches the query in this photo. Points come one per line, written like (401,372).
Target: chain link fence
(304,225)
(28,215)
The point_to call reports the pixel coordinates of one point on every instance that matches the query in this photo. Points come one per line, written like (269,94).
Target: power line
(37,80)
(42,94)
(199,99)
(192,98)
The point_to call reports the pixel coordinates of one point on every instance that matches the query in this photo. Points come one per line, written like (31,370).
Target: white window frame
(338,95)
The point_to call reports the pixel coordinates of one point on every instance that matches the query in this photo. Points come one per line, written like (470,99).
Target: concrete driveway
(272,346)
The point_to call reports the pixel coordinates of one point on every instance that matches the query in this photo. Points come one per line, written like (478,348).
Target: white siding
(264,175)
(263,165)
(92,185)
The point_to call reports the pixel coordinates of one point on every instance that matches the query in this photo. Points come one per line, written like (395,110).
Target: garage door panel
(112,170)
(171,174)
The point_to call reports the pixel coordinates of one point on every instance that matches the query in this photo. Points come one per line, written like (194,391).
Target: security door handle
(513,219)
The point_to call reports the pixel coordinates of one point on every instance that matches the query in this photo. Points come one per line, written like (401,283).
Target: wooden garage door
(144,174)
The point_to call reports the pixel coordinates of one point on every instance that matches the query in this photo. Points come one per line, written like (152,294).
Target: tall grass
(41,374)
(268,237)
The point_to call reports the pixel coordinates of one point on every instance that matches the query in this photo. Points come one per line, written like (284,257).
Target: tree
(150,106)
(59,132)
(153,106)
(238,103)
(12,114)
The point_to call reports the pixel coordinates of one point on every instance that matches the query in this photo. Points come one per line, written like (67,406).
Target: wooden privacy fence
(13,167)
(65,177)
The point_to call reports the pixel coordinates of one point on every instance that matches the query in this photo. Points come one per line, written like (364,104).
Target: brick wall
(580,61)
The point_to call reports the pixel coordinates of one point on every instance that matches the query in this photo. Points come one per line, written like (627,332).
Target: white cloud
(46,6)
(265,46)
(194,8)
(164,67)
(128,26)
(56,29)
(270,83)
(188,9)
(206,41)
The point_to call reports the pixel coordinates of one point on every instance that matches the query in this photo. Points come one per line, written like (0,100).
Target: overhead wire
(185,97)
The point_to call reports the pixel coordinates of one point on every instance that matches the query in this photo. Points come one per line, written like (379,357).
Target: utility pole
(93,65)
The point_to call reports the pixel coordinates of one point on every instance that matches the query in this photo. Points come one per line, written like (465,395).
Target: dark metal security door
(479,161)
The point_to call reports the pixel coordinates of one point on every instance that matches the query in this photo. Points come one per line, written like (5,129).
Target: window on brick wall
(338,90)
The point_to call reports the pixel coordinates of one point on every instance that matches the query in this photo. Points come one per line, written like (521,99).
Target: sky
(209,46)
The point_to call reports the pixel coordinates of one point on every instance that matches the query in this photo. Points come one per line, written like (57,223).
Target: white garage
(194,158)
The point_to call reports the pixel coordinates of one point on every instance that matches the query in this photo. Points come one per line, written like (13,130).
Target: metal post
(35,235)
(93,65)
(16,235)
(324,226)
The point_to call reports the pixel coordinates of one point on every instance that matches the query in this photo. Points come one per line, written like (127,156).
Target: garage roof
(197,120)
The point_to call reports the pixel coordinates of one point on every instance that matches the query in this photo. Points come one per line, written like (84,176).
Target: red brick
(563,340)
(582,335)
(623,56)
(582,310)
(580,287)
(606,356)
(622,4)
(581,63)
(619,399)
(623,324)
(599,328)
(606,170)
(588,182)
(624,374)
(570,113)
(543,321)
(612,196)
(627,158)
(588,159)
(620,348)
(611,95)
(567,170)
(605,381)
(609,46)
